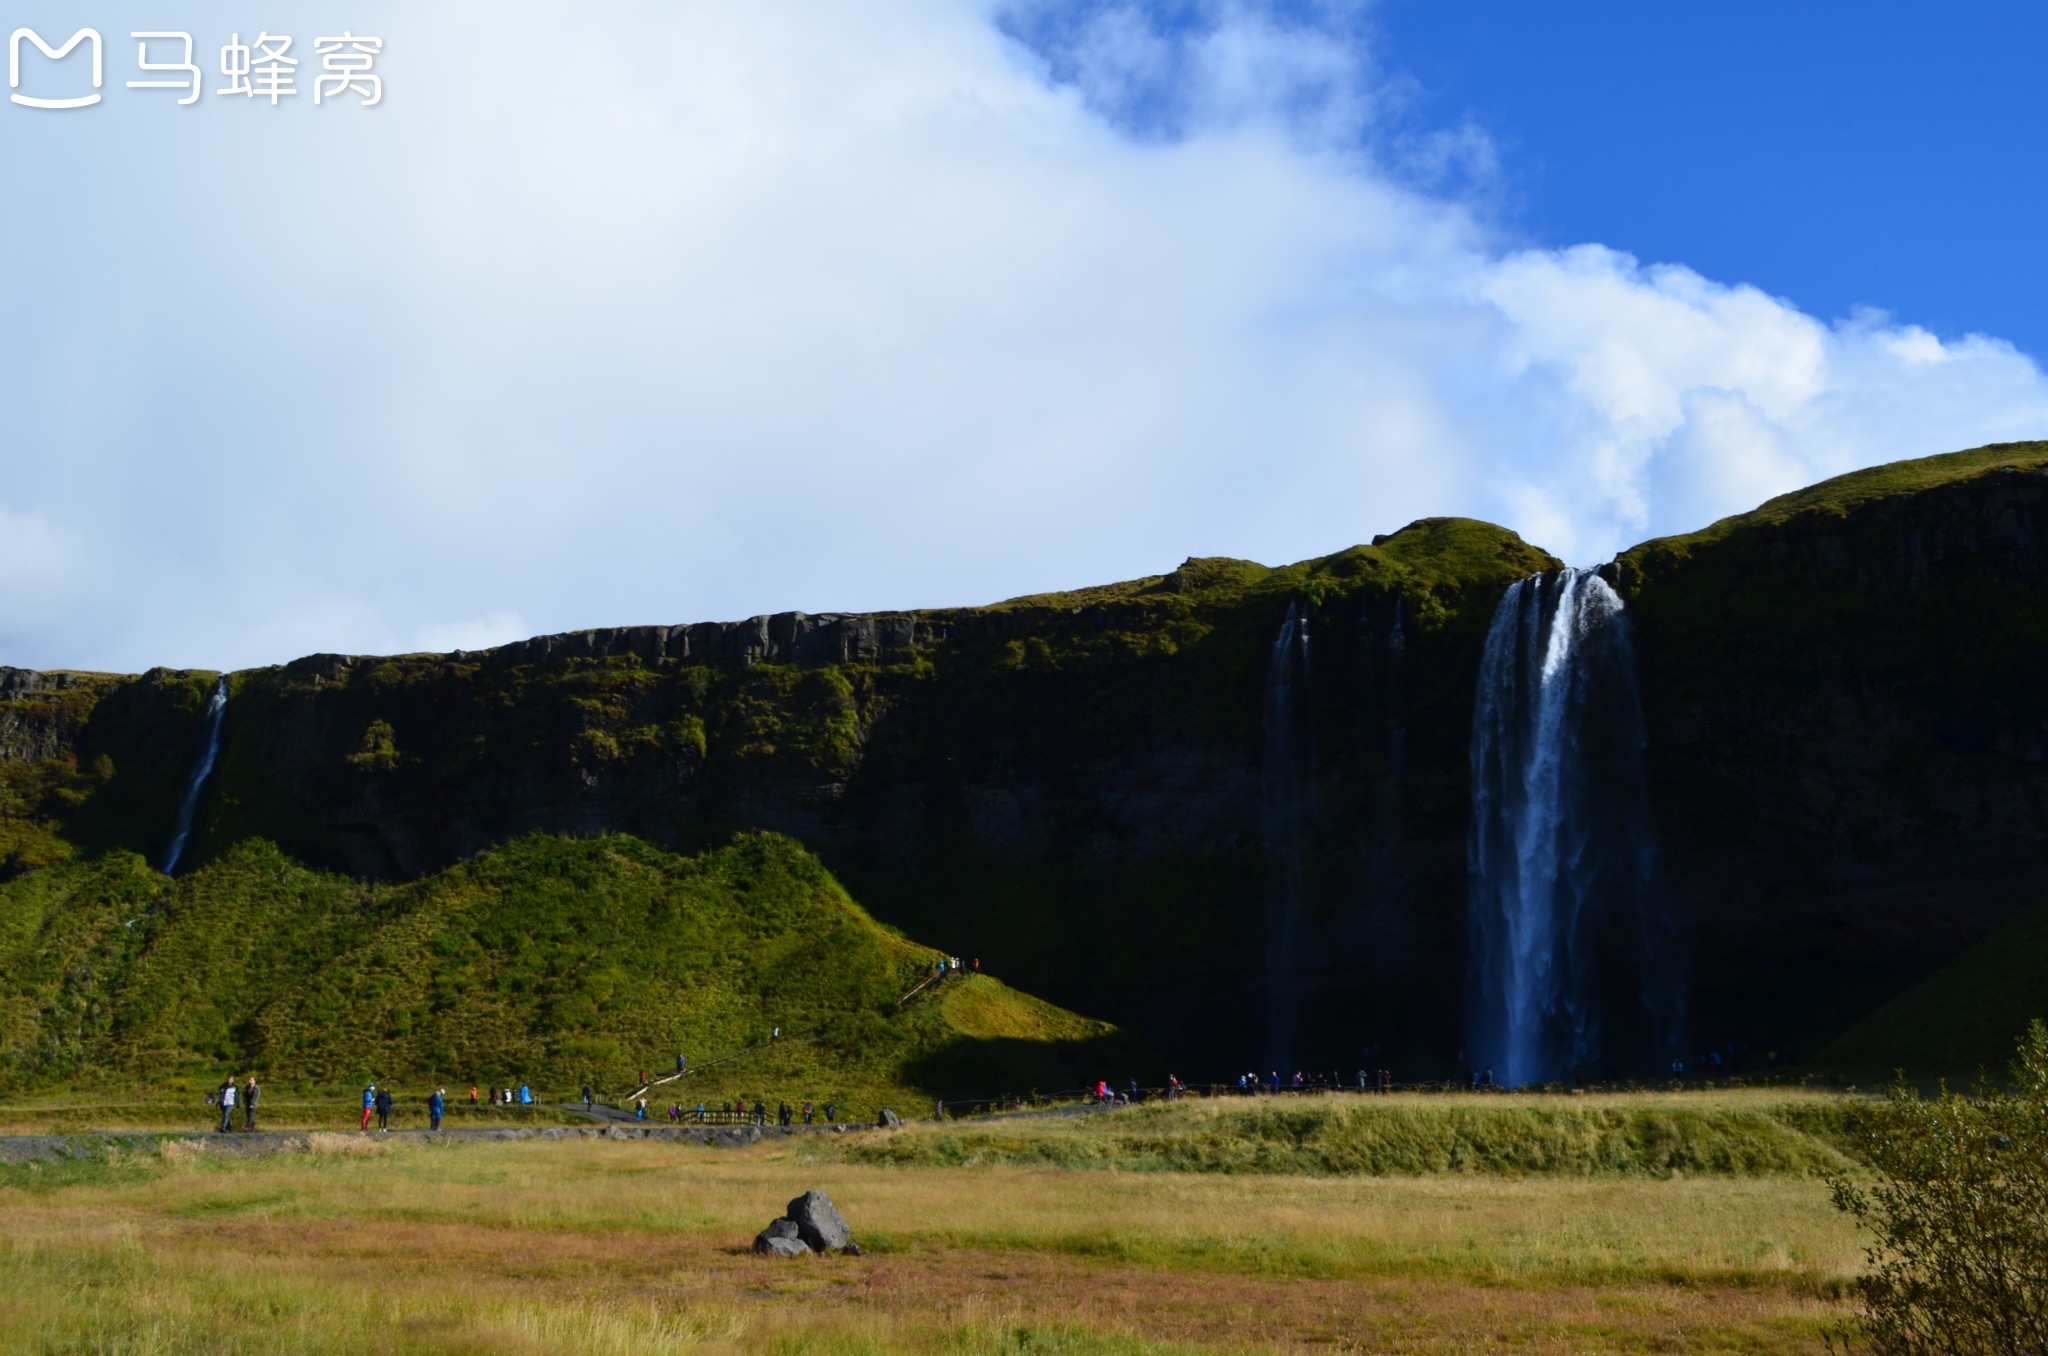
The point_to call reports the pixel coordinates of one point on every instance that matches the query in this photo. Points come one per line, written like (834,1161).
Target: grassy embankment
(1736,1133)
(596,1246)
(547,960)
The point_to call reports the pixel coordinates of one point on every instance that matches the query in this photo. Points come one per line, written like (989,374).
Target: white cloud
(797,306)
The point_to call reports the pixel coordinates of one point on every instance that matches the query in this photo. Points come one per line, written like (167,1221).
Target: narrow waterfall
(1574,960)
(216,713)
(1286,768)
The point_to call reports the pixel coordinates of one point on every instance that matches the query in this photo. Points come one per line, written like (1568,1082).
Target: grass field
(365,1245)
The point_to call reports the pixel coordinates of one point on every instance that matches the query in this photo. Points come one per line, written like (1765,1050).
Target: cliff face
(1092,792)
(1847,720)
(1070,788)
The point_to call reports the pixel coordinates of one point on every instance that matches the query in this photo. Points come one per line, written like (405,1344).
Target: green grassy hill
(1964,1019)
(550,960)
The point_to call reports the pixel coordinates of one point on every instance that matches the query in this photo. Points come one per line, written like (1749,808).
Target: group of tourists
(227,1096)
(1249,1084)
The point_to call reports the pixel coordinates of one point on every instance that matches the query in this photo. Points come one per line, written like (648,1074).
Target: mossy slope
(1966,1018)
(552,960)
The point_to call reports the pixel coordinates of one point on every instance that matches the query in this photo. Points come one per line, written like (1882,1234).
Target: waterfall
(1574,961)
(216,713)
(1286,758)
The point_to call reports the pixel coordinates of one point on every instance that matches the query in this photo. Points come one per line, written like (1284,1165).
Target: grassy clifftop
(550,960)
(1845,494)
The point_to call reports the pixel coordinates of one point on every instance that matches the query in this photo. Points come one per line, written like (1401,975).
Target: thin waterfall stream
(1575,963)
(216,714)
(1286,776)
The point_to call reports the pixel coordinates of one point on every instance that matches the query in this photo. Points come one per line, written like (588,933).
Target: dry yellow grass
(638,1247)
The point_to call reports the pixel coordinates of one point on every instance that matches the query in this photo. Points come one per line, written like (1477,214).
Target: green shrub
(1958,1211)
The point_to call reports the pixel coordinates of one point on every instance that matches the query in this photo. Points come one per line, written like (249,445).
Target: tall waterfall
(1287,757)
(1575,963)
(216,713)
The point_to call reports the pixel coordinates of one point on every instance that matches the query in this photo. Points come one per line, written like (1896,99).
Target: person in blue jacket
(435,1106)
(369,1103)
(525,1095)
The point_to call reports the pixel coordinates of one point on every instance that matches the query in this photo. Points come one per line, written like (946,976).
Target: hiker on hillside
(227,1105)
(525,1095)
(700,1113)
(369,1102)
(472,1096)
(250,1092)
(760,1112)
(435,1106)
(640,1107)
(783,1115)
(831,1113)
(384,1104)
(586,1096)
(807,1113)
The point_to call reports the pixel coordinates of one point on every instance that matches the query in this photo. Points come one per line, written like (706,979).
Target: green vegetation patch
(1403,1137)
(1843,494)
(550,961)
(1963,1019)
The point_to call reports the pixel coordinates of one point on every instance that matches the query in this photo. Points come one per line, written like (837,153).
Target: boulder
(890,1120)
(819,1223)
(769,1245)
(781,1228)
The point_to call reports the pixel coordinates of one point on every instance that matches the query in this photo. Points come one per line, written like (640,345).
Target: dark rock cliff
(1847,710)
(1843,693)
(1069,788)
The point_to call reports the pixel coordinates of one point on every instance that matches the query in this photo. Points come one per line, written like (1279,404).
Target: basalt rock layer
(1842,694)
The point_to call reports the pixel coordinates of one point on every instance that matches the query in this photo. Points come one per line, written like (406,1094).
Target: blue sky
(1839,155)
(679,311)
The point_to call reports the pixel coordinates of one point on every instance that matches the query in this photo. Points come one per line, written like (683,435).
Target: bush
(1959,1212)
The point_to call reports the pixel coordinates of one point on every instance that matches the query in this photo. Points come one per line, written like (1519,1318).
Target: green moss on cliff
(1844,494)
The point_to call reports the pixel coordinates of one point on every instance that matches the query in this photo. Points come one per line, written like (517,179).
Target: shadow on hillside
(978,1068)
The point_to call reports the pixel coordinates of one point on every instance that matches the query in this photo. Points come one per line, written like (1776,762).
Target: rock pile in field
(812,1224)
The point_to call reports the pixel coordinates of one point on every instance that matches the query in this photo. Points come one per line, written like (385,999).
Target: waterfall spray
(216,712)
(1286,753)
(1574,961)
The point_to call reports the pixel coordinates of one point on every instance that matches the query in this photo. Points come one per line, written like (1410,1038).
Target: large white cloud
(663,312)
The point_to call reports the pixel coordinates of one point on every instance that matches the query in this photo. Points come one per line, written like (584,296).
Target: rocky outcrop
(811,1224)
(780,1239)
